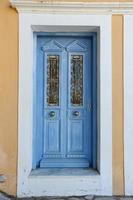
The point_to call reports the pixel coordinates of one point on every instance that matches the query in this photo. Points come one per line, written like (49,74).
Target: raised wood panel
(75,137)
(52,136)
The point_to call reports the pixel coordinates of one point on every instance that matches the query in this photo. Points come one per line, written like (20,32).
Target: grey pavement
(5,197)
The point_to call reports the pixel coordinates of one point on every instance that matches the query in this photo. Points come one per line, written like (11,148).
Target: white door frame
(128,103)
(94,183)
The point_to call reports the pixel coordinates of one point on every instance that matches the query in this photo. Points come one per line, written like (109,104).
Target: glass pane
(53,80)
(77,80)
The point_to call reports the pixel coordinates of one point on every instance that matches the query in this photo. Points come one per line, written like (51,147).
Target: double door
(67,99)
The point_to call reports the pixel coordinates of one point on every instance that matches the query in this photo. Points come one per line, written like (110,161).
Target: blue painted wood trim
(37,134)
(36,137)
(94,100)
(82,34)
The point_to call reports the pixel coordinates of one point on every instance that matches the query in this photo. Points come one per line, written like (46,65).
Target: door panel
(52,104)
(52,137)
(75,137)
(67,96)
(78,134)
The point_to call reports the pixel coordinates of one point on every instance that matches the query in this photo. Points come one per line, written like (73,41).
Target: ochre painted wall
(8,95)
(117,104)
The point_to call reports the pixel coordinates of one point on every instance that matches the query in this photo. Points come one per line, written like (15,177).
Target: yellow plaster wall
(117,100)
(8,95)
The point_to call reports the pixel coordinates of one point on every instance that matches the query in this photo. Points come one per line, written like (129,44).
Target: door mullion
(63,86)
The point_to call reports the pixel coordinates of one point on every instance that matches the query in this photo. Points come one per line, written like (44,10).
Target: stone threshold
(64,172)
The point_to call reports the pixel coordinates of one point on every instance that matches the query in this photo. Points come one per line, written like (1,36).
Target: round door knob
(52,114)
(76,113)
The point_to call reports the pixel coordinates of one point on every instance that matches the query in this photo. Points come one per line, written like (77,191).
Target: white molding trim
(48,6)
(128,103)
(99,184)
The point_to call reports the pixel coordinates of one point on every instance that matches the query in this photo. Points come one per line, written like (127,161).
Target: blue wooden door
(66,93)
